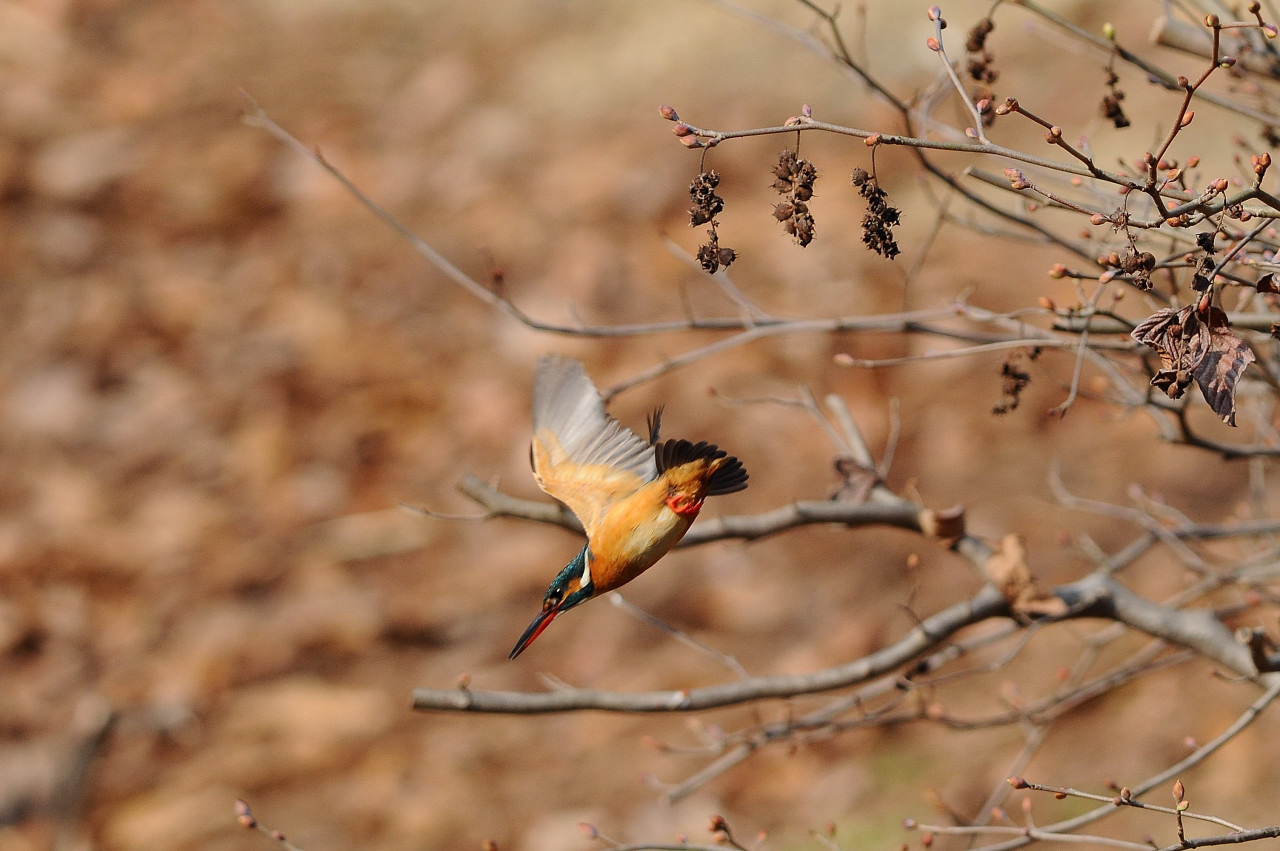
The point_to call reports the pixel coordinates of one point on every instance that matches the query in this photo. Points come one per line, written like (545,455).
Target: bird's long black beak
(541,622)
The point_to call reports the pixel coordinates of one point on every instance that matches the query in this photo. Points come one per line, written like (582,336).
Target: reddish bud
(588,830)
(692,142)
(1192,162)
(872,140)
(933,44)
(1211,21)
(926,840)
(668,113)
(1017,782)
(1097,219)
(718,824)
(244,815)
(935,13)
(1179,791)
(806,111)
(1269,30)
(1057,271)
(682,129)
(1188,118)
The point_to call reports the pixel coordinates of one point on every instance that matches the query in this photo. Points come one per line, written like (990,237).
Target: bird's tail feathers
(729,477)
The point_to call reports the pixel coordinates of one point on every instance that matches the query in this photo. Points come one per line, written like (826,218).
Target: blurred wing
(581,455)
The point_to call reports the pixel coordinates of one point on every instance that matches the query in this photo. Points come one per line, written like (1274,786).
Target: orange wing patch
(588,489)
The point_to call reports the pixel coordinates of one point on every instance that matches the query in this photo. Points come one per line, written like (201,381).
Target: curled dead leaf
(1197,344)
(1008,570)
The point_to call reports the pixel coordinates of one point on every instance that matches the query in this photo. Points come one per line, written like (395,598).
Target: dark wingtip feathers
(731,476)
(655,424)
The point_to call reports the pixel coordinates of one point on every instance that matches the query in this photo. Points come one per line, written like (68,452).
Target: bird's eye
(552,600)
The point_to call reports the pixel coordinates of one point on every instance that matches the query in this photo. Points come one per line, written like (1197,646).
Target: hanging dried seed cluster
(1200,281)
(706,206)
(1111,108)
(795,177)
(881,219)
(1013,380)
(706,203)
(981,69)
(711,256)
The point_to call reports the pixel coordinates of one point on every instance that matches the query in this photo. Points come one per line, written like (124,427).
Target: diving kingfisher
(635,498)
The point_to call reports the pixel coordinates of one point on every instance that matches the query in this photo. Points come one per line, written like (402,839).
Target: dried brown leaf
(1221,366)
(1007,569)
(1197,345)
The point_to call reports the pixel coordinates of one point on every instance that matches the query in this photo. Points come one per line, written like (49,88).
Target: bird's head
(570,587)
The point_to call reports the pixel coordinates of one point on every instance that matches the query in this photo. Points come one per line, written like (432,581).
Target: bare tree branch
(1097,595)
(988,603)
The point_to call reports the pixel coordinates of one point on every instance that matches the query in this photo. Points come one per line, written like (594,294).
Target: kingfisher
(634,497)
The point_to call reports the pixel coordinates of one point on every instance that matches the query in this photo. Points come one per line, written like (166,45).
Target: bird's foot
(685,506)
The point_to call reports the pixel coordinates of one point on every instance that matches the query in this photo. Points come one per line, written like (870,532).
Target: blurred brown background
(220,375)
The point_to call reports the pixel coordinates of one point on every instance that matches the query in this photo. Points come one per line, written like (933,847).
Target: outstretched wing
(581,455)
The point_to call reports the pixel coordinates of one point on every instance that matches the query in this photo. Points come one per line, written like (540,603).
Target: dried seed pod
(795,179)
(881,218)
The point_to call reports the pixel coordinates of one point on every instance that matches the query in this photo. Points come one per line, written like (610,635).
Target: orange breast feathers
(639,530)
